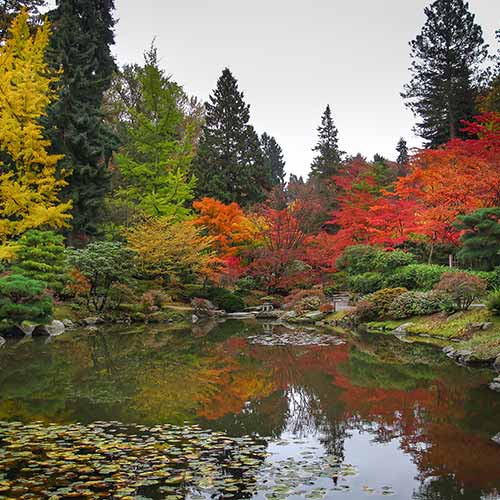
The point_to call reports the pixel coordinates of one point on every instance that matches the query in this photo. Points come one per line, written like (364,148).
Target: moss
(484,345)
(439,329)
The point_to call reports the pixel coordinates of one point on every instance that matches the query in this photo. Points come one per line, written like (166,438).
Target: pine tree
(80,46)
(229,164)
(403,156)
(329,157)
(446,58)
(9,9)
(274,164)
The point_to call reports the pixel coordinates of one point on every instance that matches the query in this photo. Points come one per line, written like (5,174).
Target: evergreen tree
(403,156)
(481,237)
(229,164)
(329,157)
(158,147)
(83,34)
(9,9)
(489,101)
(274,164)
(446,58)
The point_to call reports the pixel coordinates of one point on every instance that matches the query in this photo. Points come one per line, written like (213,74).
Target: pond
(223,411)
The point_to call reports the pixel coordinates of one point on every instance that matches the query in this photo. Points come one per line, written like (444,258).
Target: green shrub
(417,276)
(224,299)
(387,262)
(41,256)
(493,302)
(383,299)
(462,288)
(247,283)
(414,303)
(366,282)
(221,298)
(358,259)
(103,263)
(338,283)
(24,299)
(492,278)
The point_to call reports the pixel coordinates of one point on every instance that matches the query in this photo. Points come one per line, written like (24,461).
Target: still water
(368,417)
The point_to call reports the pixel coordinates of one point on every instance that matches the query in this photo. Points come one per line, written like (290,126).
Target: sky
(292,58)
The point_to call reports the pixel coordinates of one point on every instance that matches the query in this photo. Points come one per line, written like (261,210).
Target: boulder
(52,329)
(68,323)
(314,315)
(241,315)
(494,385)
(92,321)
(2,341)
(402,329)
(496,438)
(496,363)
(488,325)
(289,315)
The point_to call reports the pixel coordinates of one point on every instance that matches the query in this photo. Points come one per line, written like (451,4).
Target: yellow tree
(169,249)
(29,184)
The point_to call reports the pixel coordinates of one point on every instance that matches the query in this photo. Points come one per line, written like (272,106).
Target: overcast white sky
(291,58)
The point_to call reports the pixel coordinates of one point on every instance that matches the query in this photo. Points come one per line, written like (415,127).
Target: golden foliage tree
(29,185)
(169,249)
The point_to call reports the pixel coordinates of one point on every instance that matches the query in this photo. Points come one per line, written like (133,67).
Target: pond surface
(214,413)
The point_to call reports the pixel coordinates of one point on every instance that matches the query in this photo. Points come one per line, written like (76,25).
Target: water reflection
(362,401)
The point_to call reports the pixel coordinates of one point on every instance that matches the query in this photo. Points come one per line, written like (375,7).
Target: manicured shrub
(358,259)
(383,299)
(493,302)
(247,283)
(227,301)
(414,303)
(462,288)
(417,276)
(23,299)
(41,256)
(338,283)
(366,283)
(387,262)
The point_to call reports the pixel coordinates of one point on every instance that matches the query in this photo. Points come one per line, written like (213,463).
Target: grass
(485,344)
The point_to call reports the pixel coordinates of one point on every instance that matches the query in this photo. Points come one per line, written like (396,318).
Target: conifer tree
(80,46)
(274,164)
(446,59)
(9,9)
(403,156)
(329,157)
(158,147)
(229,164)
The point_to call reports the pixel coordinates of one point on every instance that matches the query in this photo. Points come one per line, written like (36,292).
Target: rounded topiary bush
(415,303)
(225,299)
(383,299)
(366,283)
(493,302)
(387,262)
(417,276)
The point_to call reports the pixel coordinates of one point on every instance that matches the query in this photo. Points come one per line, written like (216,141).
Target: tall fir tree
(446,61)
(229,165)
(326,163)
(80,46)
(9,9)
(274,163)
(403,155)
